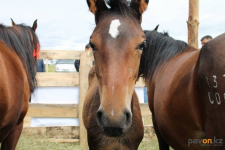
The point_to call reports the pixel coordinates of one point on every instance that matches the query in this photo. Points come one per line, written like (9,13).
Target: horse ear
(34,27)
(96,6)
(139,5)
(156,28)
(13,23)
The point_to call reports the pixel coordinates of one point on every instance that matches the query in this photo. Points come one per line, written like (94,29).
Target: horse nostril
(128,117)
(99,117)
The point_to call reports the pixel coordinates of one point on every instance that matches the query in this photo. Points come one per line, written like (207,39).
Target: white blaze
(113,30)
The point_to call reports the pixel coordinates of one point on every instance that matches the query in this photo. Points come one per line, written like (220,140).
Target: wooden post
(193,23)
(85,66)
(46,68)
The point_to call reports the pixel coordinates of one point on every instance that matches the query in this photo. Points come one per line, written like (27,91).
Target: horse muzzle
(114,125)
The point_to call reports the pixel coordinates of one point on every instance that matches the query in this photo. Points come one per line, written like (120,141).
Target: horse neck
(185,60)
(160,49)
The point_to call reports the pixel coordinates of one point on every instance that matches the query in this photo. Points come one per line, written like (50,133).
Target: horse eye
(92,46)
(142,45)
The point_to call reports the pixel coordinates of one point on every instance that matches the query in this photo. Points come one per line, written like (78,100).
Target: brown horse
(186,91)
(117,42)
(17,79)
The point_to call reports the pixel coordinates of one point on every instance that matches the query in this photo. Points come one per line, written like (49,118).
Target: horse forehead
(114,27)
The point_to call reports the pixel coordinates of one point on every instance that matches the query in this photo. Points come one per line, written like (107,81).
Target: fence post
(46,68)
(193,23)
(85,66)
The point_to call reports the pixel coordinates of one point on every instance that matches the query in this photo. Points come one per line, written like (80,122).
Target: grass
(32,143)
(151,145)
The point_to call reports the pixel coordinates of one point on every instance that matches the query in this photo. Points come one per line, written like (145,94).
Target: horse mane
(18,39)
(160,48)
(122,7)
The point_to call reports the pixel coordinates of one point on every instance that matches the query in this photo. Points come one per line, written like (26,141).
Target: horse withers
(117,42)
(18,45)
(185,91)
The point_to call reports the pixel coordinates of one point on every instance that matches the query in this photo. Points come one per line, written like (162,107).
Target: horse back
(13,83)
(211,81)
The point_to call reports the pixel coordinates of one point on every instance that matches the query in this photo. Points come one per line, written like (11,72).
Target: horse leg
(11,140)
(162,144)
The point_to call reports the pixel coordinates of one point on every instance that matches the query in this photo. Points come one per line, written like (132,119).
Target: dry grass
(32,143)
(151,145)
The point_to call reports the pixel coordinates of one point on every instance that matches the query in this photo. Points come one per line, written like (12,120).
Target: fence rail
(65,110)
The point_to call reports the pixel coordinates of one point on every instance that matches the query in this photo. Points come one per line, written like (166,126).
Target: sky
(68,24)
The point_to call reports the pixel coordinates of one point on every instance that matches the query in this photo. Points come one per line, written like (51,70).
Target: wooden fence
(56,79)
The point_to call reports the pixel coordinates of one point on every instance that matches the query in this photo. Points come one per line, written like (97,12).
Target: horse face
(117,44)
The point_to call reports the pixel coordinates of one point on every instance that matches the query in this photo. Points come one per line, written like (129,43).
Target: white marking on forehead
(113,30)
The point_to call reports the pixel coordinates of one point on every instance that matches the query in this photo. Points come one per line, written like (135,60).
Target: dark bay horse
(117,42)
(18,44)
(186,91)
(96,138)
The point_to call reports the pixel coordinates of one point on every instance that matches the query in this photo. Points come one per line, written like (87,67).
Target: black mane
(18,39)
(123,7)
(159,49)
(119,6)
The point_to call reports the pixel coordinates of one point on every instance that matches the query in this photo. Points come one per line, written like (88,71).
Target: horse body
(17,79)
(212,90)
(177,81)
(176,93)
(96,138)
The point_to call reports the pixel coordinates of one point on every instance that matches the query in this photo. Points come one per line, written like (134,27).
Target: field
(32,143)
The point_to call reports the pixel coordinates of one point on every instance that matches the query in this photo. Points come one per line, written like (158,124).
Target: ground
(32,143)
